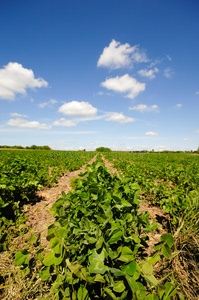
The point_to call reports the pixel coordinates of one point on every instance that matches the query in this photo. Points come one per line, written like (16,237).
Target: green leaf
(115,237)
(151,279)
(119,286)
(21,256)
(147,268)
(99,278)
(168,239)
(110,293)
(90,239)
(82,293)
(126,255)
(130,268)
(52,259)
(117,272)
(97,263)
(151,297)
(166,251)
(74,267)
(99,243)
(45,273)
(132,283)
(125,203)
(55,245)
(154,260)
(49,259)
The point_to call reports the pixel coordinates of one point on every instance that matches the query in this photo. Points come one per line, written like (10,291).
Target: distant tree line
(33,147)
(103,149)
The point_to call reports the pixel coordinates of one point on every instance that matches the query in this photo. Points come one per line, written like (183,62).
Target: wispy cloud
(49,103)
(178,106)
(188,140)
(21,123)
(118,55)
(15,79)
(151,133)
(196,131)
(65,123)
(168,73)
(124,84)
(169,57)
(16,115)
(145,108)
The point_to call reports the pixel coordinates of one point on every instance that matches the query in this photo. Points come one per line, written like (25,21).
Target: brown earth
(161,218)
(37,213)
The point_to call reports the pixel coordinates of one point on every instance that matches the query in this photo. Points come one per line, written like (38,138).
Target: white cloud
(169,57)
(155,62)
(119,117)
(75,108)
(148,73)
(49,103)
(124,84)
(145,108)
(188,140)
(14,79)
(118,55)
(178,106)
(151,133)
(65,123)
(16,115)
(21,123)
(168,72)
(197,131)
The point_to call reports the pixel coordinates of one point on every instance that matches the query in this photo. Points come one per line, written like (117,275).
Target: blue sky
(80,74)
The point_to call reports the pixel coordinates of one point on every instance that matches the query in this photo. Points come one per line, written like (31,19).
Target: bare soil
(37,213)
(161,218)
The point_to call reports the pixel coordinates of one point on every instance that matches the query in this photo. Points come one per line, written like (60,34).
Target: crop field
(127,228)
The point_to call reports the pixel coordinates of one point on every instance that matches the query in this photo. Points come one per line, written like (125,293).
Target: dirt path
(161,218)
(37,213)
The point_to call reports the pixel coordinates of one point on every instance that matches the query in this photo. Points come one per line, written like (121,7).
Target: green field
(99,240)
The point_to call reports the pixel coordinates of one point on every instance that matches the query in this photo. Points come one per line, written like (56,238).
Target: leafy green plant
(98,242)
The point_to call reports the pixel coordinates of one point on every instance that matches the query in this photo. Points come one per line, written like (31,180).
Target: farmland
(99,239)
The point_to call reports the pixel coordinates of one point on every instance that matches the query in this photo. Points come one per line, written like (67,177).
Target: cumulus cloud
(49,103)
(15,79)
(118,55)
(145,108)
(75,108)
(168,72)
(148,73)
(151,133)
(21,123)
(119,117)
(16,115)
(65,123)
(124,84)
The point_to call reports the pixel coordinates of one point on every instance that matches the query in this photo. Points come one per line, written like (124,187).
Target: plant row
(98,243)
(24,172)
